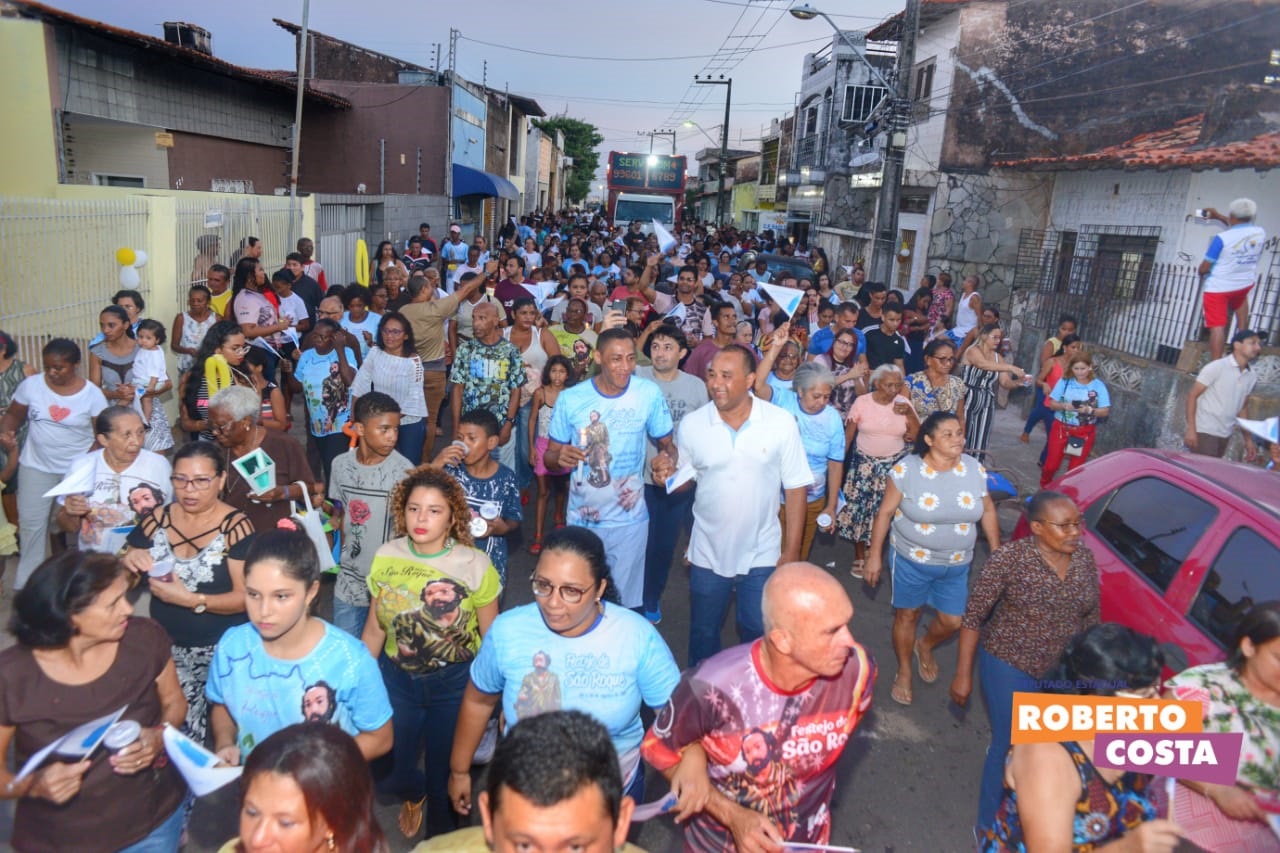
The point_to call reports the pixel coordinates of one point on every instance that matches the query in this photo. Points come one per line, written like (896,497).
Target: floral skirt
(863,490)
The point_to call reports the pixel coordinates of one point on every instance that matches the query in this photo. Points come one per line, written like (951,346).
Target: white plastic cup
(489,510)
(162,570)
(121,734)
(825,520)
(479,527)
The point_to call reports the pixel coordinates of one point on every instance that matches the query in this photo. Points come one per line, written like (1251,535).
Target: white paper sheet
(787,298)
(79,743)
(683,474)
(666,242)
(197,764)
(78,481)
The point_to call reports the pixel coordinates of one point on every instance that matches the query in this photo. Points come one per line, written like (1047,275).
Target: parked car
(799,267)
(1185,544)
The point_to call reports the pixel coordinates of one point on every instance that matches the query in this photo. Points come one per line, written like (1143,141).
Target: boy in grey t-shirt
(359,484)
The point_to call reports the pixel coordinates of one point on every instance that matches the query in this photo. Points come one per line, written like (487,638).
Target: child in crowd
(359,484)
(275,411)
(557,375)
(293,307)
(884,344)
(149,372)
(491,487)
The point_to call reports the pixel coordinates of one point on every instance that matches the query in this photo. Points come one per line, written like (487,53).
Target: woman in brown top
(80,657)
(1031,597)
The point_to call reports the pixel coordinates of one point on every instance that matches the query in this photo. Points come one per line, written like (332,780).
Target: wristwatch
(511,421)
(202,606)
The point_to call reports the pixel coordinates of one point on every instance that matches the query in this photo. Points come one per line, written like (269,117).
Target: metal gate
(340,226)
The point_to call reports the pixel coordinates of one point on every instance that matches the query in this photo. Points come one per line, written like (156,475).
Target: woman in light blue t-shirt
(574,648)
(1077,400)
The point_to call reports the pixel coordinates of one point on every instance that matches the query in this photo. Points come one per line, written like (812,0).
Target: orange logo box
(1054,718)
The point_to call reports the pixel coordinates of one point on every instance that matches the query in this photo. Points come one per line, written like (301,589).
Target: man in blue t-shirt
(600,428)
(846,320)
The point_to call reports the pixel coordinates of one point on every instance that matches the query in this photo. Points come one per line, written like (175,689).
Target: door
(340,226)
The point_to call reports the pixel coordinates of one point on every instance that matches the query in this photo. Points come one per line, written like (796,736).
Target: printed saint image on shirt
(595,437)
(319,702)
(539,690)
(436,633)
(333,394)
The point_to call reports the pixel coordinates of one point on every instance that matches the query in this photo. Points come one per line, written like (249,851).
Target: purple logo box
(1202,757)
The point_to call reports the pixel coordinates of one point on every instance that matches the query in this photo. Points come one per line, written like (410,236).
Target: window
(1240,577)
(1123,264)
(860,102)
(1152,525)
(810,121)
(1066,254)
(132,181)
(922,89)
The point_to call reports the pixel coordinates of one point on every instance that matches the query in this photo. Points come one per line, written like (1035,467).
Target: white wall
(115,149)
(1218,189)
(1117,198)
(924,139)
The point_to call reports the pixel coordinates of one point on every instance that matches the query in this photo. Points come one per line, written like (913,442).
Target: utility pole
(448,143)
(885,248)
(724,139)
(297,125)
(655,132)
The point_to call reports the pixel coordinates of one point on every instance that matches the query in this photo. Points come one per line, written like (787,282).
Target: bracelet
(453,772)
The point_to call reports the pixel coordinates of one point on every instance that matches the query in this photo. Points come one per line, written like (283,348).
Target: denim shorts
(944,588)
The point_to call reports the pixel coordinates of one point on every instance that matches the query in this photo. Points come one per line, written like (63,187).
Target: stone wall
(1148,399)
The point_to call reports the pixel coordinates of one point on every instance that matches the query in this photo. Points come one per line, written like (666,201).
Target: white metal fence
(58,267)
(231,220)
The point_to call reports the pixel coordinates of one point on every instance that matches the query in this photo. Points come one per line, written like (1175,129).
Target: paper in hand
(78,481)
(79,743)
(648,811)
(197,764)
(683,474)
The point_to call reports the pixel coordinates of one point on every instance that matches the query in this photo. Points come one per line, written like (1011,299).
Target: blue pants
(350,617)
(424,709)
(524,471)
(709,602)
(412,437)
(998,681)
(165,837)
(669,516)
(1040,414)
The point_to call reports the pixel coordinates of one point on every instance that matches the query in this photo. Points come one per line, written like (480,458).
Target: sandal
(536,547)
(856,571)
(559,522)
(411,817)
(930,675)
(900,694)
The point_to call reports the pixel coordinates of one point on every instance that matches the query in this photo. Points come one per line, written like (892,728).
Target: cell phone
(490,267)
(619,305)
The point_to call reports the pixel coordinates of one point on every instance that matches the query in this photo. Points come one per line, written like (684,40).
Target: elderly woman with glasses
(192,552)
(523,661)
(934,389)
(1031,597)
(234,420)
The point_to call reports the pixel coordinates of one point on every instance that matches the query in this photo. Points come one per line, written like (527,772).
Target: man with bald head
(488,371)
(745,453)
(772,718)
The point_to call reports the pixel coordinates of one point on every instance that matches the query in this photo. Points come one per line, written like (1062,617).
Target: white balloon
(141,259)
(129,278)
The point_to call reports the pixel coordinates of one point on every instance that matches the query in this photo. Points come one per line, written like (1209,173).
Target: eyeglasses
(393,333)
(237,350)
(200,484)
(568,594)
(1064,525)
(221,429)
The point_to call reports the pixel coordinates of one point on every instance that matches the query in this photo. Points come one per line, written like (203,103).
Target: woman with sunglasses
(575,647)
(202,542)
(1031,597)
(433,597)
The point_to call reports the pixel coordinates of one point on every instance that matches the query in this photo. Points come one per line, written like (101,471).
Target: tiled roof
(195,58)
(1176,147)
(891,28)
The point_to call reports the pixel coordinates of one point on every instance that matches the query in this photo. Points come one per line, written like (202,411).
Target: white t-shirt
(60,428)
(1234,254)
(119,498)
(966,317)
(294,307)
(149,364)
(740,474)
(368,324)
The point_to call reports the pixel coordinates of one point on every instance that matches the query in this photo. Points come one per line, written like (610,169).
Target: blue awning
(468,181)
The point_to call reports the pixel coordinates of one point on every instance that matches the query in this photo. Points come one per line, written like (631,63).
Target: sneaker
(654,616)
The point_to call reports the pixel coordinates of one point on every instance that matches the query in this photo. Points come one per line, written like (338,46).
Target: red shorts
(1219,306)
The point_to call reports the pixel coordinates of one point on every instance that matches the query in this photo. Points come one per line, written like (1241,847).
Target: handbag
(311,522)
(1075,446)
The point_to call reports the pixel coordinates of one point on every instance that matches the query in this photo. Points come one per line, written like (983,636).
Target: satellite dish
(870,158)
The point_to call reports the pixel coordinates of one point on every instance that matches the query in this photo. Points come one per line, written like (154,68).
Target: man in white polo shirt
(744,451)
(1219,396)
(1230,267)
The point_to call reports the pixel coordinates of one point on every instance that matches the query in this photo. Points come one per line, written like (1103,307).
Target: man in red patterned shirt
(771,717)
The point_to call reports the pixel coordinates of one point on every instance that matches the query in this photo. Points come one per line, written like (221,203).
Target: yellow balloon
(125,256)
(217,373)
(362,262)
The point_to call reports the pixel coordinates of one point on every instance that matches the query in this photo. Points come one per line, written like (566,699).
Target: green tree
(580,141)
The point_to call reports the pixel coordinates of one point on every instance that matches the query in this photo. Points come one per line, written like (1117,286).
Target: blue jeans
(1040,414)
(524,471)
(350,617)
(998,681)
(709,602)
(669,516)
(412,437)
(165,837)
(424,708)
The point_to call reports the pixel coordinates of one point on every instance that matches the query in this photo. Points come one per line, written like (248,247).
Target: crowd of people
(632,392)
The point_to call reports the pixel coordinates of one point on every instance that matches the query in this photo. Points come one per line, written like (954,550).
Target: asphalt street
(908,779)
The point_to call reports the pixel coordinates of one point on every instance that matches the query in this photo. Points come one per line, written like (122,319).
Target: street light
(692,123)
(886,237)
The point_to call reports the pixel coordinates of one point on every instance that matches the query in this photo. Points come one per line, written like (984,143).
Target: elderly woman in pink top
(883,424)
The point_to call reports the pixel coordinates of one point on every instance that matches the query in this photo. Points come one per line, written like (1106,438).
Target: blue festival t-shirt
(607,489)
(327,397)
(501,490)
(336,682)
(1093,394)
(822,436)
(607,672)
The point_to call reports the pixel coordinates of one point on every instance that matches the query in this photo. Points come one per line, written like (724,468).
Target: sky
(680,38)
